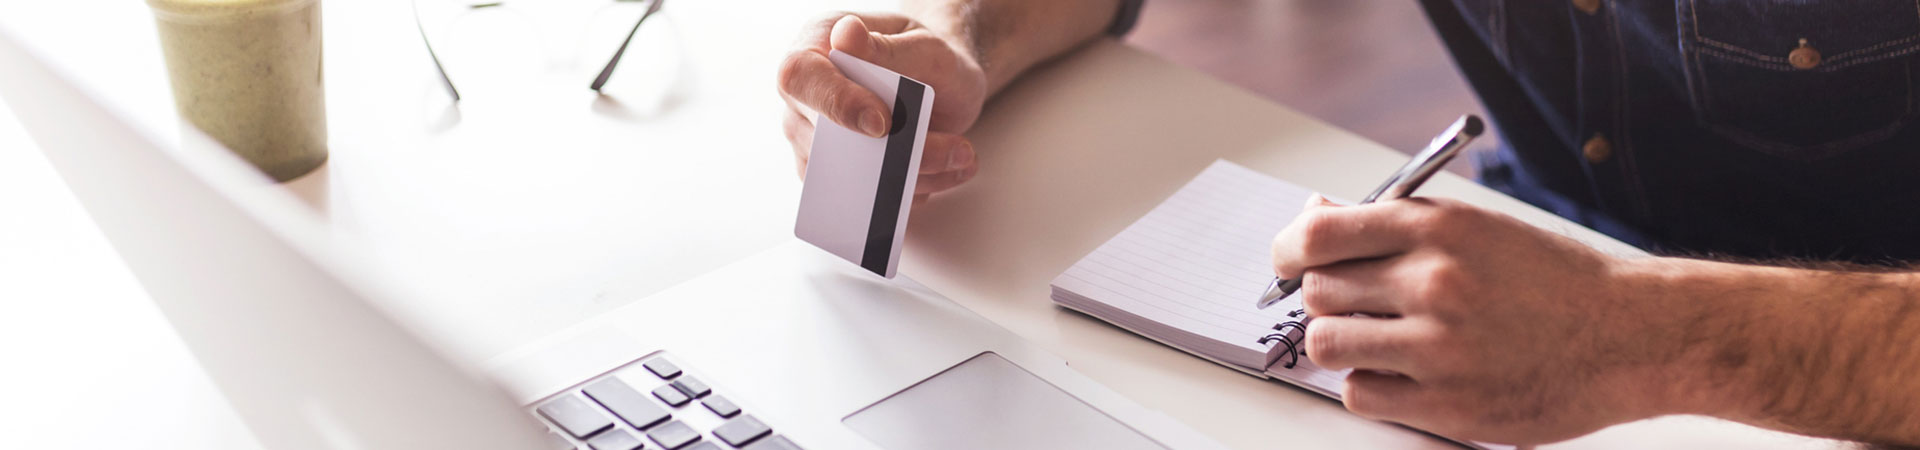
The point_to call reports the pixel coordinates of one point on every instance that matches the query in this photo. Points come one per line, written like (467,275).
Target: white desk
(517,224)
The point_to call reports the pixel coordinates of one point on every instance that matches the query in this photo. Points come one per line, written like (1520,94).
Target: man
(1769,131)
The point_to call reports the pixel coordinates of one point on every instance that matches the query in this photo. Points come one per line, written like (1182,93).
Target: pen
(1400,185)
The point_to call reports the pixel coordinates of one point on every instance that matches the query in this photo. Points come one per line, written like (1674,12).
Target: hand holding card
(859,189)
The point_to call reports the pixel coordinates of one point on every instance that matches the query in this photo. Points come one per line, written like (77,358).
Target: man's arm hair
(1817,348)
(1007,37)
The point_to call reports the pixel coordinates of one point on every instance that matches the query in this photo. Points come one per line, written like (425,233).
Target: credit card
(859,189)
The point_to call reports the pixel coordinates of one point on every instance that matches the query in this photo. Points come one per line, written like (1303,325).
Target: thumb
(851,35)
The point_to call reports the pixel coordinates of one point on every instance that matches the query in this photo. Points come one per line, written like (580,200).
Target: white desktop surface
(538,205)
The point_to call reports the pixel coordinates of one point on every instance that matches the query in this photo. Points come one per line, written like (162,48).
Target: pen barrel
(1429,161)
(1289,286)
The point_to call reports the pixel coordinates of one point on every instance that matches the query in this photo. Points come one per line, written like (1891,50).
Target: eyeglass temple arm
(607,72)
(437,67)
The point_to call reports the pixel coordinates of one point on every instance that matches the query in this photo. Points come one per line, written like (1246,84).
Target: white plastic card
(859,189)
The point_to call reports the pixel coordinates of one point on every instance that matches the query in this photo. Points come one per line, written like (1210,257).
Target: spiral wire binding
(1294,348)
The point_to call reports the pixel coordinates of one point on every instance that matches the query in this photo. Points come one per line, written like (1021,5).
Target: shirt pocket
(1803,80)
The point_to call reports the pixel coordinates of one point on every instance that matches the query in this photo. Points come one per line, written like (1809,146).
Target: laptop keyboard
(660,407)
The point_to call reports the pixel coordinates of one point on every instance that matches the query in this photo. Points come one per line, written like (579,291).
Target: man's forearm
(1832,353)
(1009,36)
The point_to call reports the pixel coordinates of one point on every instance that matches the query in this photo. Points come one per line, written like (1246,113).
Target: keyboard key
(671,395)
(662,367)
(703,445)
(740,431)
(691,386)
(673,435)
(574,415)
(614,439)
(720,405)
(629,404)
(772,443)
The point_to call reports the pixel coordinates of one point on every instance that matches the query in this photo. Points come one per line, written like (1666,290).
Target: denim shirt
(1741,128)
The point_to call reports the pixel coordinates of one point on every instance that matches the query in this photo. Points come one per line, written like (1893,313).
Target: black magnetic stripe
(894,170)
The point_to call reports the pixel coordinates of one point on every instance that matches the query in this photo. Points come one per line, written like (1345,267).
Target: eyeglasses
(599,81)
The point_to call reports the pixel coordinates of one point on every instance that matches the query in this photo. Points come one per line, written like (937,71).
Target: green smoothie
(248,73)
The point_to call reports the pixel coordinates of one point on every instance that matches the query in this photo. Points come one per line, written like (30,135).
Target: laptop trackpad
(988,402)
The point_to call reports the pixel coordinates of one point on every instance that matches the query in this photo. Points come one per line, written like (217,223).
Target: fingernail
(961,156)
(873,124)
(964,156)
(968,174)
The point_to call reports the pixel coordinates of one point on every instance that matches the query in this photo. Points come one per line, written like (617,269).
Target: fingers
(814,88)
(947,159)
(808,78)
(946,162)
(811,83)
(935,183)
(850,35)
(917,52)
(1324,235)
(1341,342)
(945,152)
(904,47)
(1317,200)
(818,35)
(1353,287)
(1382,396)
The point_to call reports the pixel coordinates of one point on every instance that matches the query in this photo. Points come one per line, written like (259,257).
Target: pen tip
(1473,127)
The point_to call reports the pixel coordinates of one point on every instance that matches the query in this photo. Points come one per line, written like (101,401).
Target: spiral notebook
(1188,273)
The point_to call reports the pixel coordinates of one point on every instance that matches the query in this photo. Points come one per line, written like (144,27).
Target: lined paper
(1196,264)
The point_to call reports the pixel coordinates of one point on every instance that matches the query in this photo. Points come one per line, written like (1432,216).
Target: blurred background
(1375,68)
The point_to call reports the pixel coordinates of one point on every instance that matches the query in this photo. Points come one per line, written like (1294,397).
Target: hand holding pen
(1401,185)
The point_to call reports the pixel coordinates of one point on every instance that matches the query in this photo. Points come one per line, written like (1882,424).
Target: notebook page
(1199,260)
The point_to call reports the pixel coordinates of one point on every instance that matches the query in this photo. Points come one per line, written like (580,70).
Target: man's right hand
(810,83)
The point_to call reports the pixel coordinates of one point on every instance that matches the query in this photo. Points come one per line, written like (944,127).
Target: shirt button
(1804,57)
(1587,6)
(1597,150)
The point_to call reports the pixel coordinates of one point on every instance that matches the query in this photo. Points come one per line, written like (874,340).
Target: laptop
(789,349)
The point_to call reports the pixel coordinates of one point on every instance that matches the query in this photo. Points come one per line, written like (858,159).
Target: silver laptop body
(788,349)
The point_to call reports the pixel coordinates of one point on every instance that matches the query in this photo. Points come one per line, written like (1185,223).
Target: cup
(248,74)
